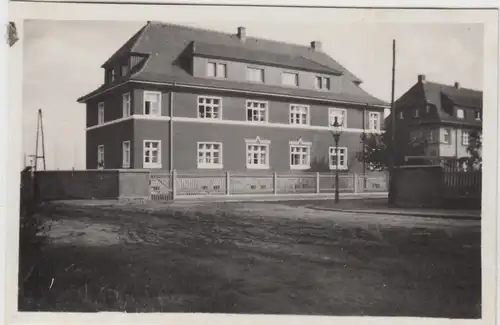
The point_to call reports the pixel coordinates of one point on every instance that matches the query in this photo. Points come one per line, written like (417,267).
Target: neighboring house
(441,115)
(182,98)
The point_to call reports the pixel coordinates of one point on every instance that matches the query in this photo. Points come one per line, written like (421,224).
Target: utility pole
(392,158)
(39,133)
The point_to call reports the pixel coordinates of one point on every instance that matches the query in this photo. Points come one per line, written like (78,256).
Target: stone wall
(91,184)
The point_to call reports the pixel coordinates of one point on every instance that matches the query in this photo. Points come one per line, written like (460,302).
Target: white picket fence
(171,185)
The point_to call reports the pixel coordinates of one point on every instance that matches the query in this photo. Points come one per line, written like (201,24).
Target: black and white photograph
(226,162)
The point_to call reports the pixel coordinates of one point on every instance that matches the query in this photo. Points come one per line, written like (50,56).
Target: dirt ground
(257,258)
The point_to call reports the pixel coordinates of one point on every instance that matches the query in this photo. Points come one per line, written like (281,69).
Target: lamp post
(336,131)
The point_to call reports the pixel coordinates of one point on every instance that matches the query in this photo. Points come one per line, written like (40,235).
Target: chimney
(457,84)
(242,33)
(421,78)
(316,46)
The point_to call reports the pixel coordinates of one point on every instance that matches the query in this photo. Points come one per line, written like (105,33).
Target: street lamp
(336,131)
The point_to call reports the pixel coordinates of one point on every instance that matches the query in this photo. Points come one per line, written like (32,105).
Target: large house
(440,116)
(182,98)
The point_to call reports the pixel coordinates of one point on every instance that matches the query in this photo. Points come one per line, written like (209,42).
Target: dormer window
(477,115)
(112,75)
(322,83)
(124,70)
(417,113)
(255,74)
(216,70)
(460,113)
(290,79)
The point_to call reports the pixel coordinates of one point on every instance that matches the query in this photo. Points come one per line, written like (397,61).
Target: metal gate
(160,186)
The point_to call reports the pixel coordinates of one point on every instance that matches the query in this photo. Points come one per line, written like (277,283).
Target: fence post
(228,183)
(317,183)
(355,183)
(275,183)
(173,177)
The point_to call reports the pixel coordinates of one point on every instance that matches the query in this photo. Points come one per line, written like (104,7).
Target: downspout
(171,144)
(171,129)
(364,138)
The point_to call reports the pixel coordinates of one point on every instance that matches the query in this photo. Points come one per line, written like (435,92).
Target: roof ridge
(451,86)
(305,47)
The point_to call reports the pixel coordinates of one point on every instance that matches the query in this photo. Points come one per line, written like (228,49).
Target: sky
(62,61)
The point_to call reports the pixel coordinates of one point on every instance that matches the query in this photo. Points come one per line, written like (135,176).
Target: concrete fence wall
(91,184)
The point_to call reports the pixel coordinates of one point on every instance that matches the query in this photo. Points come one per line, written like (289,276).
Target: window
(299,114)
(322,83)
(465,138)
(100,157)
(290,79)
(216,70)
(112,74)
(256,111)
(417,113)
(445,136)
(255,75)
(151,154)
(401,115)
(209,108)
(124,70)
(477,115)
(428,109)
(374,121)
(126,154)
(341,115)
(209,155)
(100,113)
(342,158)
(430,136)
(257,154)
(460,113)
(300,155)
(152,103)
(126,104)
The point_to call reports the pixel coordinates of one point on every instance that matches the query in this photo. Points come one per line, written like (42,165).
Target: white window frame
(331,111)
(443,133)
(152,93)
(262,74)
(212,165)
(331,152)
(265,109)
(126,105)
(257,142)
(477,115)
(465,138)
(100,156)
(401,115)
(298,109)
(100,113)
(460,116)
(374,122)
(144,149)
(219,117)
(112,73)
(216,69)
(322,86)
(417,113)
(296,74)
(300,144)
(125,159)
